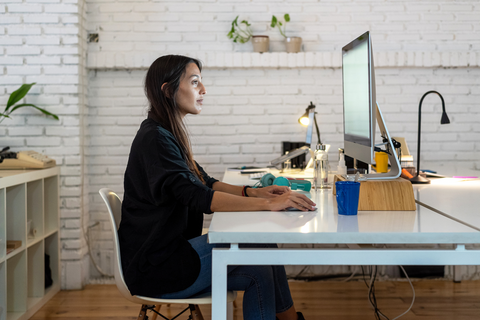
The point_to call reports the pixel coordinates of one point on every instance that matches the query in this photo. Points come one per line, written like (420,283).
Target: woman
(166,194)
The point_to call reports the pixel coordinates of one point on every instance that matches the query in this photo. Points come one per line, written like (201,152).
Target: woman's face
(190,93)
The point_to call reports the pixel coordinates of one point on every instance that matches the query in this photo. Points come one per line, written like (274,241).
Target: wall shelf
(427,59)
(28,195)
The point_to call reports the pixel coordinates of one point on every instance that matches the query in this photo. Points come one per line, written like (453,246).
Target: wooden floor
(435,300)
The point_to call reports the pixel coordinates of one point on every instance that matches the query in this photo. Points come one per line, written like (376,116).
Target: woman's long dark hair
(163,108)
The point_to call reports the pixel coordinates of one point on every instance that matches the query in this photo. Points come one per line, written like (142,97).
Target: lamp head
(444,119)
(305,120)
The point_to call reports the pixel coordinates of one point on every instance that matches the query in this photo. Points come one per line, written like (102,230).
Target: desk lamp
(305,121)
(419,179)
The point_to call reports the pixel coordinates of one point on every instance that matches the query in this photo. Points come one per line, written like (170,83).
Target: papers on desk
(257,175)
(247,168)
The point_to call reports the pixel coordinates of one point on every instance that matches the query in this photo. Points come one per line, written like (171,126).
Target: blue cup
(347,193)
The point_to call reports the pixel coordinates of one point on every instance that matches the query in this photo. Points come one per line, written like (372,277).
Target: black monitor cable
(371,293)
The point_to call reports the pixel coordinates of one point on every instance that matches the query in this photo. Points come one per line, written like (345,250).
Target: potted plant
(292,44)
(243,33)
(16,96)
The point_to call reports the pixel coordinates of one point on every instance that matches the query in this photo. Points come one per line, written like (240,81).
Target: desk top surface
(326,226)
(458,198)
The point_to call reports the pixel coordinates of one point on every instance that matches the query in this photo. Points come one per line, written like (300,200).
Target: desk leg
(457,274)
(219,284)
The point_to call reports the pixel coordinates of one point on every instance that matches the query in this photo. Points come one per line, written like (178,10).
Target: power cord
(371,293)
(87,237)
(354,272)
(413,291)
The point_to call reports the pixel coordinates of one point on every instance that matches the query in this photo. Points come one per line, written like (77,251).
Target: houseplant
(18,95)
(242,33)
(292,44)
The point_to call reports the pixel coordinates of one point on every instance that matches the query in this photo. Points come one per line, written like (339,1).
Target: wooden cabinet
(29,214)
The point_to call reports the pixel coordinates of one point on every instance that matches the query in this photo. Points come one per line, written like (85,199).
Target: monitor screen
(357,100)
(359,103)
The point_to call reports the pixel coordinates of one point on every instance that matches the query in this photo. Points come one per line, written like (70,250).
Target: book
(13,244)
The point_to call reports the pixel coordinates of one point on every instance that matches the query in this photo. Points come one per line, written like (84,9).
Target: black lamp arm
(420,123)
(316,127)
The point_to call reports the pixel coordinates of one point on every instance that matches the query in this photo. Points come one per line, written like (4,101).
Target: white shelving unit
(28,198)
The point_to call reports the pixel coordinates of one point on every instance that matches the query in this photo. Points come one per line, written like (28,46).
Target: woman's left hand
(267,192)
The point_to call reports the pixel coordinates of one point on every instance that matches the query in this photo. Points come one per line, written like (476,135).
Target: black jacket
(162,209)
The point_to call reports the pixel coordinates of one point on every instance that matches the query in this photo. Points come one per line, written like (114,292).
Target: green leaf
(280,23)
(274,22)
(4,115)
(287,17)
(234,23)
(34,106)
(18,94)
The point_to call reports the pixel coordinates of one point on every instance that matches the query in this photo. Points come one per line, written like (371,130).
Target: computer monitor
(359,99)
(360,109)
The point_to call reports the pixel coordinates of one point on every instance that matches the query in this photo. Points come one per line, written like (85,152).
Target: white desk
(423,226)
(457,198)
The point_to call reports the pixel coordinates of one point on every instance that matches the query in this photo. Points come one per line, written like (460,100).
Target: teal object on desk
(267,180)
(303,185)
(281,181)
(270,180)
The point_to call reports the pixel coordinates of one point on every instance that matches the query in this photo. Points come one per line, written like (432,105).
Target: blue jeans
(266,287)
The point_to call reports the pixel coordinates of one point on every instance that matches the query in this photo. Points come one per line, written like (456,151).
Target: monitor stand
(377,192)
(395,168)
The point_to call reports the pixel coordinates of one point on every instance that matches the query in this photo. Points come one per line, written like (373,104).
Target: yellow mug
(381,162)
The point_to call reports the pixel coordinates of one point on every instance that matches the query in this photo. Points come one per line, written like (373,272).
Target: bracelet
(244,191)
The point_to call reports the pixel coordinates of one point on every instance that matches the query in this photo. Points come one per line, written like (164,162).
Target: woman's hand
(291,199)
(267,192)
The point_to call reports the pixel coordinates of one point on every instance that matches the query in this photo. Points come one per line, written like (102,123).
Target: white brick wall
(325,25)
(246,123)
(253,100)
(43,42)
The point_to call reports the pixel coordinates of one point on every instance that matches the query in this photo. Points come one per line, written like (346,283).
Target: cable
(352,275)
(413,291)
(371,293)
(87,238)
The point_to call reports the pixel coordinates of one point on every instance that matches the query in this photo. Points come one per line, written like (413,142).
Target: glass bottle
(287,165)
(320,167)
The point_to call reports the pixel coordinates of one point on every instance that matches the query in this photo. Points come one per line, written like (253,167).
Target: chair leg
(195,312)
(157,308)
(143,312)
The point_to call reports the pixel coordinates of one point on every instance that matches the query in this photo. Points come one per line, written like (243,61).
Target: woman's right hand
(291,199)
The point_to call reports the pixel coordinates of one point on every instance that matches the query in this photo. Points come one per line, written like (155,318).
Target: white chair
(114,206)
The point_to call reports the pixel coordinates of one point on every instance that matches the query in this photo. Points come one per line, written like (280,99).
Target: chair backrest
(114,206)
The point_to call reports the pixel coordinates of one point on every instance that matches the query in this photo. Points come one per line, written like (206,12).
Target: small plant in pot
(292,44)
(242,33)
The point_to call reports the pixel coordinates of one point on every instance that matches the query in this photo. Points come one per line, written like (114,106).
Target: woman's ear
(165,91)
